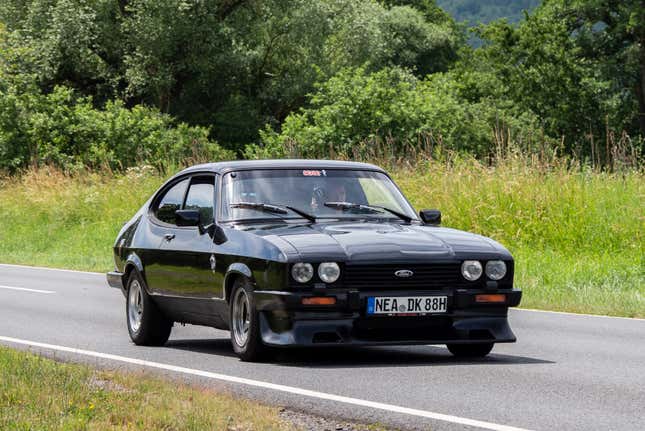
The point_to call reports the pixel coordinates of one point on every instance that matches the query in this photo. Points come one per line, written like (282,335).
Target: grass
(54,220)
(38,393)
(576,234)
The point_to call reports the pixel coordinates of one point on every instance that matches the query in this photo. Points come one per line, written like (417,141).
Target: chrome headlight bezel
(472,270)
(302,272)
(329,272)
(496,269)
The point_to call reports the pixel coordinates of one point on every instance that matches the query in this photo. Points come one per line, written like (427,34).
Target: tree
(576,64)
(230,65)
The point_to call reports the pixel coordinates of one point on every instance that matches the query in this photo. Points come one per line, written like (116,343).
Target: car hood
(386,242)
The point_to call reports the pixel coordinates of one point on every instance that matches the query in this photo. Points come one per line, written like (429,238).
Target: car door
(158,231)
(189,258)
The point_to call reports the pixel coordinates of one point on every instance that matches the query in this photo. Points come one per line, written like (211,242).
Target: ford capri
(289,253)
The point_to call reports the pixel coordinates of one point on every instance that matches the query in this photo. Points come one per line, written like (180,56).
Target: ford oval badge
(404,273)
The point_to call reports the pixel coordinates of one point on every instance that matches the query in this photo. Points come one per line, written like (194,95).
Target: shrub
(64,130)
(355,109)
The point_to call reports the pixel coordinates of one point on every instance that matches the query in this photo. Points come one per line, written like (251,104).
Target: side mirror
(193,218)
(431,217)
(217,234)
(187,218)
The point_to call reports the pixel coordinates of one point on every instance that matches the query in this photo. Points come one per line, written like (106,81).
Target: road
(566,372)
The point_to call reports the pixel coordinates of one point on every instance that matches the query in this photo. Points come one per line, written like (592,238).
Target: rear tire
(470,350)
(244,322)
(146,324)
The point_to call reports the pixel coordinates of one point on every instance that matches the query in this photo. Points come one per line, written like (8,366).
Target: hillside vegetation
(99,84)
(577,235)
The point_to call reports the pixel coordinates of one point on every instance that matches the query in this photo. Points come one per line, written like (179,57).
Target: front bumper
(284,321)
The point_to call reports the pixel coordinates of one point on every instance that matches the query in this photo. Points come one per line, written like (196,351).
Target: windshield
(311,191)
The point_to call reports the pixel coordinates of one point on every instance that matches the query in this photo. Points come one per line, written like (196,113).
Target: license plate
(407,305)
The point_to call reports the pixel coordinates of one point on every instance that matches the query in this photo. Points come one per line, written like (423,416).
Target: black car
(308,253)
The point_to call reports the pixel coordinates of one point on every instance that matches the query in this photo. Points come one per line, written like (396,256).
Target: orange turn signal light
(494,298)
(319,300)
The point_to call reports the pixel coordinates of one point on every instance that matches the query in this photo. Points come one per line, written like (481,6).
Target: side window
(200,197)
(171,202)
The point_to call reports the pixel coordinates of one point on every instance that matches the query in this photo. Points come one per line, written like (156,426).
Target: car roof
(236,165)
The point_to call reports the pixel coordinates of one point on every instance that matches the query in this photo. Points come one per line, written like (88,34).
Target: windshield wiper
(371,209)
(273,209)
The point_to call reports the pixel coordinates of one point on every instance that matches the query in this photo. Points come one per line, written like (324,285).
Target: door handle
(169,236)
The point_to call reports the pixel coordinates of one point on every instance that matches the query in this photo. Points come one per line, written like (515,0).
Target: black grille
(425,277)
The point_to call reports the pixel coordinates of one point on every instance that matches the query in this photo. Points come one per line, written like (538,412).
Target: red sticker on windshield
(311,173)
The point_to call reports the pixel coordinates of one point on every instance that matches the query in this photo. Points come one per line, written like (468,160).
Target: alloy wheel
(135,305)
(241,318)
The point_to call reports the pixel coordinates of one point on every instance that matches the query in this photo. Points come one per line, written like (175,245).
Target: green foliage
(428,8)
(579,66)
(356,109)
(230,66)
(64,130)
(66,42)
(412,42)
(570,77)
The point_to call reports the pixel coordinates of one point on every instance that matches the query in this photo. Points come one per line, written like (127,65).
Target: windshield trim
(220,194)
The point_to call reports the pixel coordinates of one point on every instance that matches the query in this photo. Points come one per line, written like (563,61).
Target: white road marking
(602,316)
(276,387)
(44,268)
(26,290)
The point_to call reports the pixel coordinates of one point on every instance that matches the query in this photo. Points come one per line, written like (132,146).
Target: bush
(355,110)
(66,131)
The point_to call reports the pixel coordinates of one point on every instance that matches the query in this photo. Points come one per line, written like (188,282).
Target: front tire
(146,324)
(245,323)
(470,350)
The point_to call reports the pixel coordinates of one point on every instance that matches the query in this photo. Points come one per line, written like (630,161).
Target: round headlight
(495,269)
(328,272)
(471,269)
(302,272)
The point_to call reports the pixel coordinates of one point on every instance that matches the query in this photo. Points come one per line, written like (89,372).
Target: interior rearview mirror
(431,217)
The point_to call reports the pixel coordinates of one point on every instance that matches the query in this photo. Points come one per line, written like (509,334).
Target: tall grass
(57,220)
(576,233)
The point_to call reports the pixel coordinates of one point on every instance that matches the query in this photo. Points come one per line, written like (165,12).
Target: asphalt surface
(566,372)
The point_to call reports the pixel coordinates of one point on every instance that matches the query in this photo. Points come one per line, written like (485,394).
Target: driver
(334,192)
